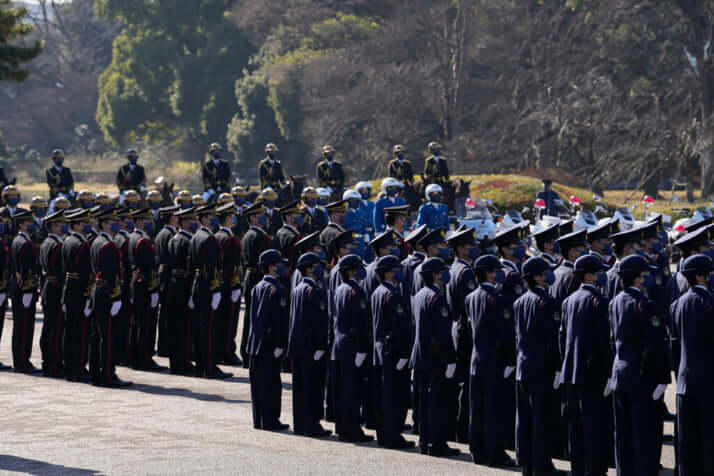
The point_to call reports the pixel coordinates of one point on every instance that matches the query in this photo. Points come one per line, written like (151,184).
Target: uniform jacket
(271,175)
(216,175)
(352,322)
(330,175)
(537,326)
(382,203)
(694,328)
(269,318)
(59,181)
(433,348)
(308,319)
(493,337)
(402,171)
(128,179)
(433,215)
(435,171)
(392,325)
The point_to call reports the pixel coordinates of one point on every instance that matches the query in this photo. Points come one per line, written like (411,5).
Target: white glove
(359,359)
(277,353)
(87,309)
(64,308)
(235,295)
(329,189)
(557,381)
(116,307)
(3,296)
(508,371)
(608,388)
(215,300)
(450,370)
(191,305)
(71,192)
(154,300)
(211,191)
(27,300)
(659,391)
(318,355)
(402,363)
(142,188)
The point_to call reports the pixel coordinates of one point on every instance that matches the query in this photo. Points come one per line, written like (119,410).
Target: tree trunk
(706,161)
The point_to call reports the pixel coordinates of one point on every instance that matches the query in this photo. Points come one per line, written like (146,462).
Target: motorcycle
(479,218)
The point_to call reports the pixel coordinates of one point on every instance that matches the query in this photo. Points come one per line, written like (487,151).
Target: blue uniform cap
(571,240)
(514,234)
(417,234)
(535,266)
(589,264)
(350,262)
(487,263)
(388,262)
(698,237)
(433,265)
(308,259)
(550,233)
(603,230)
(269,257)
(384,239)
(433,237)
(398,210)
(344,238)
(700,264)
(466,235)
(634,264)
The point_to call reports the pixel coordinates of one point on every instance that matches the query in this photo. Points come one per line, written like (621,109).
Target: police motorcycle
(540,219)
(584,218)
(680,226)
(479,218)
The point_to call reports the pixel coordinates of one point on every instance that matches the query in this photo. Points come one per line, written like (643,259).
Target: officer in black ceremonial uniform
(587,362)
(231,284)
(144,291)
(392,348)
(600,243)
(254,242)
(314,218)
(640,372)
(126,226)
(106,301)
(335,212)
(168,224)
(551,199)
(51,295)
(4,278)
(572,246)
(307,345)
(267,341)
(352,324)
(181,317)
(205,256)
(270,170)
(435,168)
(694,330)
(10,197)
(545,243)
(330,174)
(216,172)
(131,176)
(59,177)
(75,297)
(537,322)
(433,357)
(38,207)
(461,284)
(400,168)
(493,359)
(23,292)
(288,234)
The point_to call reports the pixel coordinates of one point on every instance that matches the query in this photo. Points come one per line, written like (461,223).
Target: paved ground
(167,424)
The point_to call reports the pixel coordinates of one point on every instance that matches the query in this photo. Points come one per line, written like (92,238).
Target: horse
(292,189)
(167,194)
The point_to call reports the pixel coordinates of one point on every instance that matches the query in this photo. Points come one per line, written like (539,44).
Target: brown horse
(292,189)
(453,190)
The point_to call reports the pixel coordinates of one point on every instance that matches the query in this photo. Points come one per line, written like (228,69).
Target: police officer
(396,221)
(288,234)
(600,243)
(10,197)
(131,176)
(167,230)
(254,242)
(537,320)
(216,173)
(181,316)
(696,242)
(695,333)
(270,170)
(59,177)
(545,243)
(106,302)
(153,200)
(75,297)
(144,291)
(550,197)
(183,199)
(626,243)
(52,280)
(433,357)
(434,244)
(392,348)
(587,362)
(399,167)
(330,174)
(239,195)
(23,292)
(640,370)
(205,255)
(433,213)
(121,239)
(352,324)
(314,219)
(267,341)
(461,283)
(493,359)
(572,246)
(435,168)
(131,199)
(390,198)
(38,207)
(356,220)
(270,199)
(510,244)
(383,244)
(415,258)
(309,244)
(307,345)
(231,286)
(103,200)
(4,278)
(336,211)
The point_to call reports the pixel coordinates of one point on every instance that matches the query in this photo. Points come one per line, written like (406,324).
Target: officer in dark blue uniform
(626,243)
(383,244)
(587,362)
(309,244)
(307,346)
(433,357)
(572,246)
(696,242)
(640,371)
(461,283)
(545,243)
(694,329)
(335,212)
(493,358)
(434,244)
(267,341)
(415,258)
(392,330)
(511,247)
(600,243)
(550,197)
(350,349)
(397,219)
(538,361)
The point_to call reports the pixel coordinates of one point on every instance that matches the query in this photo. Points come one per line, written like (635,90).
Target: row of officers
(217,177)
(568,354)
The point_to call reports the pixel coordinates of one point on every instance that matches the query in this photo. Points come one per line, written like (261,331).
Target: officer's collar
(419,254)
(310,209)
(58,167)
(185,232)
(291,228)
(436,158)
(392,286)
(463,261)
(699,286)
(635,290)
(227,230)
(271,161)
(567,263)
(23,234)
(106,235)
(206,229)
(539,287)
(171,227)
(270,277)
(56,237)
(336,224)
(310,281)
(593,252)
(509,263)
(78,235)
(435,288)
(214,160)
(588,286)
(486,284)
(353,281)
(141,232)
(256,227)
(38,220)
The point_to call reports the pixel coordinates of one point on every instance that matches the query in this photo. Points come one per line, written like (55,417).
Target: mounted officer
(270,170)
(131,176)
(400,168)
(435,168)
(216,173)
(59,177)
(330,174)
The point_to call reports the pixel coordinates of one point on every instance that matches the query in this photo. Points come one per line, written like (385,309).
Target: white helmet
(433,188)
(390,182)
(351,195)
(322,192)
(362,185)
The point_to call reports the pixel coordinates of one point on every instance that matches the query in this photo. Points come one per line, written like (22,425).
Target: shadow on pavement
(33,466)
(180,392)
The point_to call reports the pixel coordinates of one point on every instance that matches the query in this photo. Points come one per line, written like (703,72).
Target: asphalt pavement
(166,424)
